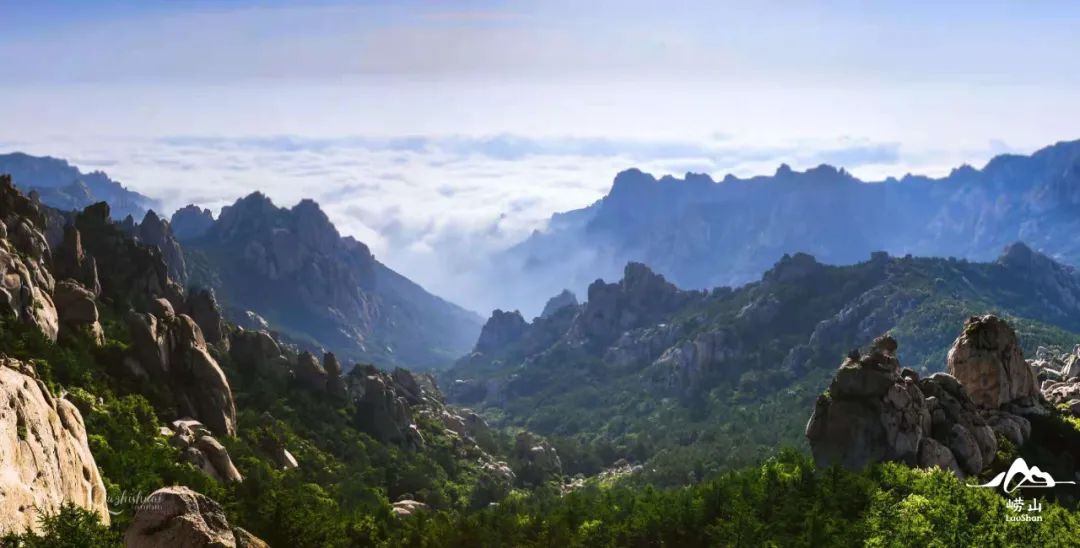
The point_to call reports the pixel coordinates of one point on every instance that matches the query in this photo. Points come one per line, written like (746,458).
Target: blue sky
(438,131)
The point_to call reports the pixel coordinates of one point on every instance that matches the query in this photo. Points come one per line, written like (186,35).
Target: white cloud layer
(436,208)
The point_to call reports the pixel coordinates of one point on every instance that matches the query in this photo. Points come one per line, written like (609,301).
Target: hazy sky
(438,131)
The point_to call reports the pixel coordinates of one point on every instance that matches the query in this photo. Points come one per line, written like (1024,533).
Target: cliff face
(43,451)
(293,268)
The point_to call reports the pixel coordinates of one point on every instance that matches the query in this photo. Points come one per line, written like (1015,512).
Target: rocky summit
(875,411)
(292,268)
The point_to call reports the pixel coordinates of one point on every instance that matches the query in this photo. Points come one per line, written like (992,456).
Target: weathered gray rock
(77,310)
(870,415)
(179,518)
(25,282)
(155,231)
(198,447)
(71,261)
(875,411)
(335,384)
(533,460)
(171,350)
(310,373)
(987,359)
(256,352)
(202,306)
(408,507)
(380,410)
(43,453)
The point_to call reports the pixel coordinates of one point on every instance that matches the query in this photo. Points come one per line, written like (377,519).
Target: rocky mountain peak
(191,221)
(793,267)
(558,302)
(501,330)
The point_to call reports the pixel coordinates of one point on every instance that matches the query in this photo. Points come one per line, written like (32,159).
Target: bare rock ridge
(875,411)
(43,452)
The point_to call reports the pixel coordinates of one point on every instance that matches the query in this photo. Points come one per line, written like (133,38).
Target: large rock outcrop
(26,284)
(875,411)
(381,410)
(202,450)
(201,304)
(987,359)
(257,353)
(190,222)
(870,414)
(533,460)
(43,451)
(170,349)
(130,271)
(77,310)
(155,231)
(501,330)
(178,517)
(71,261)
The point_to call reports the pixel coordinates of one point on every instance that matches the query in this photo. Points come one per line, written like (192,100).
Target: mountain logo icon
(1021,476)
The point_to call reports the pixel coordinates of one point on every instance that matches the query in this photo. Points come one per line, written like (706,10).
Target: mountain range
(640,352)
(62,186)
(701,233)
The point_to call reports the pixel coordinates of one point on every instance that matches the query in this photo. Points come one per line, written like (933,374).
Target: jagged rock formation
(71,261)
(381,409)
(170,349)
(190,222)
(293,268)
(25,283)
(986,358)
(77,310)
(702,233)
(558,302)
(639,298)
(198,447)
(44,452)
(335,385)
(874,412)
(502,329)
(310,373)
(256,352)
(179,517)
(130,272)
(156,232)
(202,306)
(64,187)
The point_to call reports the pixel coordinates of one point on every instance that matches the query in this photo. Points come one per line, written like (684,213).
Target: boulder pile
(877,411)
